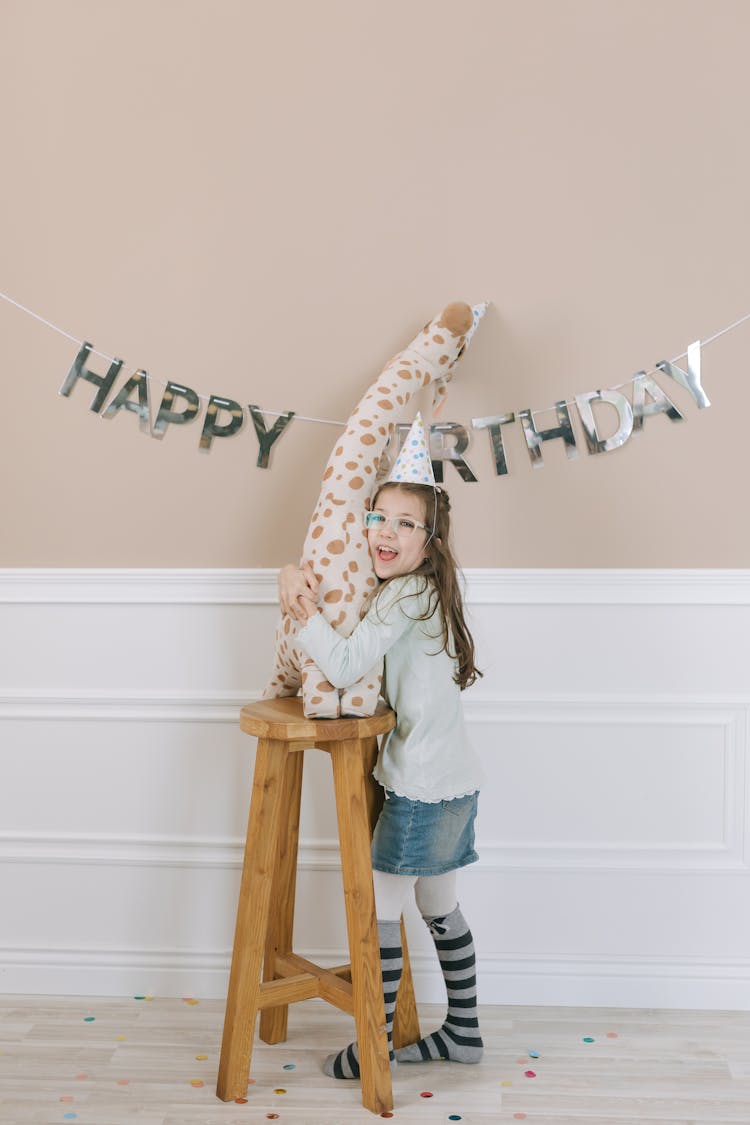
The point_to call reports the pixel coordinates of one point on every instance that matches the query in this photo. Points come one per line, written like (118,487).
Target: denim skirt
(421,838)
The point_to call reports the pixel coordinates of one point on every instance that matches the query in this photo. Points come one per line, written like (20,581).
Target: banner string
(328,421)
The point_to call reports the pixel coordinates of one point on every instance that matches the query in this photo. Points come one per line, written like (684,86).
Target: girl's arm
(343,660)
(298,591)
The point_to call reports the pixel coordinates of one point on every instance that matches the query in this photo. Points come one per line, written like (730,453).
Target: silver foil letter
(690,379)
(121,401)
(660,403)
(454,454)
(266,438)
(212,429)
(492,425)
(595,443)
(80,371)
(535,437)
(167,416)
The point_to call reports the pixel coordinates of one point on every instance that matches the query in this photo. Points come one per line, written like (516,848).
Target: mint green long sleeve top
(427,756)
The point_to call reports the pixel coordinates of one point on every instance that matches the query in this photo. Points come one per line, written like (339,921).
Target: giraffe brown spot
(368,439)
(339,451)
(336,547)
(335,501)
(370,581)
(365,422)
(317,531)
(404,374)
(324,686)
(381,429)
(443,359)
(353,567)
(400,400)
(328,473)
(325,562)
(357,700)
(384,390)
(439,339)
(351,517)
(327,512)
(287,624)
(368,469)
(385,404)
(332,596)
(351,465)
(356,482)
(317,699)
(340,619)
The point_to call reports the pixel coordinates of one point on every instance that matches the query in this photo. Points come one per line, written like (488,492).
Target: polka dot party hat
(413,464)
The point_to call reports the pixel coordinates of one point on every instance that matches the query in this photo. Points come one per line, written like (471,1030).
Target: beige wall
(265,201)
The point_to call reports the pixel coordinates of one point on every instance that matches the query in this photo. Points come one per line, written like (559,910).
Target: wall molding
(626,981)
(484,586)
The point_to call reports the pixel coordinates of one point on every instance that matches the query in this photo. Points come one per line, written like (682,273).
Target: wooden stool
(265,913)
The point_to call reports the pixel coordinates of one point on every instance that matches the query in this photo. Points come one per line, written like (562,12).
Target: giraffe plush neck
(336,544)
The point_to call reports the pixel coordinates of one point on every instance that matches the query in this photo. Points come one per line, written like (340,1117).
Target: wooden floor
(154,1062)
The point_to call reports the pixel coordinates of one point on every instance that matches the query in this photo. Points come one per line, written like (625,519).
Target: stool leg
(405,1018)
(348,759)
(273,1021)
(252,919)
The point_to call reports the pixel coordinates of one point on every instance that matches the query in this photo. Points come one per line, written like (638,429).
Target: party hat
(413,465)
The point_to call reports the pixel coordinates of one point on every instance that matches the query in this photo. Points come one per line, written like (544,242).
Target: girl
(430,773)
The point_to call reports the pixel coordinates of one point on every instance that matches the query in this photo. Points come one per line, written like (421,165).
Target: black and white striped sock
(346,1063)
(458,1039)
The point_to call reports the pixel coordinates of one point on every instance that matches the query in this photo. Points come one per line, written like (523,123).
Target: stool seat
(266,974)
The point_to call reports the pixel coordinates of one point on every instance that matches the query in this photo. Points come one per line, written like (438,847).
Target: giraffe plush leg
(320,700)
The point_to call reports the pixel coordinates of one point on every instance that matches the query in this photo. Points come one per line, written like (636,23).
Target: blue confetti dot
(588,1039)
(289,1066)
(454,1116)
(533,1054)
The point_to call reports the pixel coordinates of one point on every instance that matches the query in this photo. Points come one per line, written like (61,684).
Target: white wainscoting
(614,828)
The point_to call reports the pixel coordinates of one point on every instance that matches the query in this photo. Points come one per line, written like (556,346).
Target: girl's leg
(391,892)
(458,1039)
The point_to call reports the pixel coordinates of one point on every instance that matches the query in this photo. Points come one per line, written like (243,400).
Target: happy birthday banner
(224,417)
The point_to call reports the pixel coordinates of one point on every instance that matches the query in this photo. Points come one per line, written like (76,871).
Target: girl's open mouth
(385,554)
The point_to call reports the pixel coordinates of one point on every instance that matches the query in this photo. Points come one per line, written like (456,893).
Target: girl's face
(393,552)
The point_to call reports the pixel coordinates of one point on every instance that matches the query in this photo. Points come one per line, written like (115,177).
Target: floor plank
(134,1063)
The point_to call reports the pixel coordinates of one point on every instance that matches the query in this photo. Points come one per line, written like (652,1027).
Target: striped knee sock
(346,1063)
(458,1039)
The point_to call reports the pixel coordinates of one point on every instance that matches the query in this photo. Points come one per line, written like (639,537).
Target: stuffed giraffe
(336,544)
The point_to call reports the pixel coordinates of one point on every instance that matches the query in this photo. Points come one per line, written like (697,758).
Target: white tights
(435,894)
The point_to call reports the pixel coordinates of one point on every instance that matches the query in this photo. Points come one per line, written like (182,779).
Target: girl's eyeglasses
(402,525)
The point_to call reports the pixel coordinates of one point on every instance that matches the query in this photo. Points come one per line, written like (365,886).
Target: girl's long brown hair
(440,572)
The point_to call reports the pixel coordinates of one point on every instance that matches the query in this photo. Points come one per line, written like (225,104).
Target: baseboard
(513,979)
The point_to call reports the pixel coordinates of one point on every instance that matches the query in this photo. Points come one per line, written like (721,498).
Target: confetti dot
(240,1101)
(89,1019)
(612,1035)
(454,1116)
(272,1116)
(121,1038)
(530,1074)
(506,1083)
(533,1054)
(201,1058)
(289,1066)
(521,1061)
(67,1098)
(139,997)
(81,1077)
(280,1090)
(387,1114)
(123,1081)
(148,997)
(519,1116)
(588,1039)
(425,1094)
(189,1000)
(197,1082)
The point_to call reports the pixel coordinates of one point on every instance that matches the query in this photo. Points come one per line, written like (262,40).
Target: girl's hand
(298,591)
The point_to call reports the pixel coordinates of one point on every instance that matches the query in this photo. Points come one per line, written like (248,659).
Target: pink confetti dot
(521,1061)
(67,1098)
(81,1077)
(240,1101)
(123,1081)
(612,1035)
(530,1074)
(519,1116)
(425,1094)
